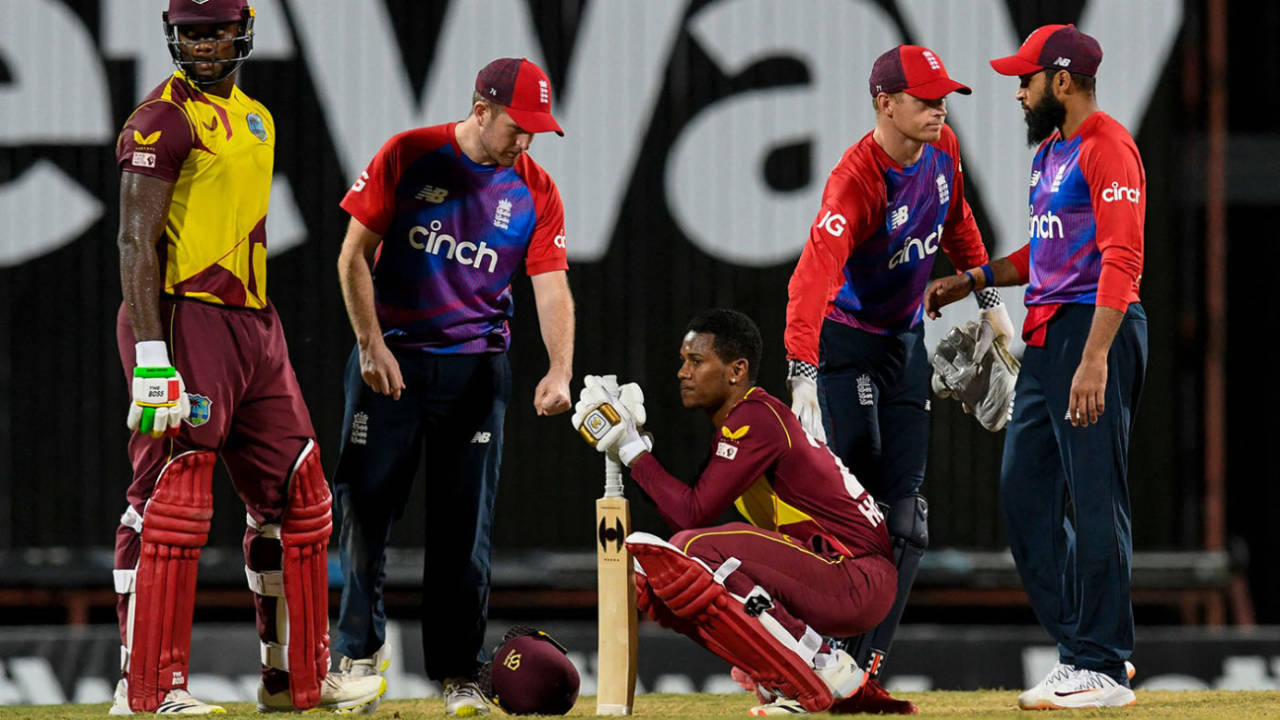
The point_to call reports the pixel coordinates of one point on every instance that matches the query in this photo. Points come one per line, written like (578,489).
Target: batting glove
(160,400)
(802,379)
(605,422)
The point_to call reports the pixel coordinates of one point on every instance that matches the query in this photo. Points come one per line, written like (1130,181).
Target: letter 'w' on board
(616,598)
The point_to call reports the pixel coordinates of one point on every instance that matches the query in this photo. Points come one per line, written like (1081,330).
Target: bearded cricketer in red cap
(1082,372)
(205,356)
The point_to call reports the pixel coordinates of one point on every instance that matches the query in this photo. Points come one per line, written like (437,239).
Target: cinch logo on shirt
(436,239)
(1043,226)
(1118,192)
(923,248)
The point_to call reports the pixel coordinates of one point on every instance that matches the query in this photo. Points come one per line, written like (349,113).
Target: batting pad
(721,623)
(304,533)
(175,525)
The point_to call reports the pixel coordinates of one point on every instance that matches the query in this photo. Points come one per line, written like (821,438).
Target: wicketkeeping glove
(606,420)
(802,380)
(973,365)
(160,400)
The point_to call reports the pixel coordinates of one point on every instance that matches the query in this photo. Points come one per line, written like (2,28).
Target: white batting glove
(606,423)
(802,380)
(160,400)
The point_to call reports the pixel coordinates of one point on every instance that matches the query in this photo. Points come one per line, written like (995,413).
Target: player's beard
(1044,117)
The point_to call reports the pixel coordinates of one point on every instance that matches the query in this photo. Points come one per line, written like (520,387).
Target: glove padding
(804,403)
(611,418)
(160,402)
(973,365)
(998,316)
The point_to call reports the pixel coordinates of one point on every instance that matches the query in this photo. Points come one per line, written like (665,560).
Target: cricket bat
(616,593)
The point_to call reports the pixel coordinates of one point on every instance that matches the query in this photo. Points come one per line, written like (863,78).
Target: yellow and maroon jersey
(219,154)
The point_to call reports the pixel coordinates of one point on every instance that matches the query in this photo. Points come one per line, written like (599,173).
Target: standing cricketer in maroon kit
(813,558)
(203,351)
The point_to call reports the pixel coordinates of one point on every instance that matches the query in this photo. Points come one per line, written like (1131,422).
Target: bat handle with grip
(612,477)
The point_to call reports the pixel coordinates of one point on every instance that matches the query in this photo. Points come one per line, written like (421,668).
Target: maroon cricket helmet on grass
(531,675)
(523,90)
(1061,47)
(915,70)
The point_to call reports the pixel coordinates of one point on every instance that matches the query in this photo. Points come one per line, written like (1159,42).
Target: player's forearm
(1106,322)
(357,294)
(140,286)
(997,273)
(144,210)
(554,303)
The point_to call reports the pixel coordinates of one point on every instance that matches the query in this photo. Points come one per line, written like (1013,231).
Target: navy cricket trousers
(1075,564)
(874,394)
(452,411)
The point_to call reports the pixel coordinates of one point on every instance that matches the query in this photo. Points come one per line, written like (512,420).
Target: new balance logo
(899,217)
(481,438)
(1035,178)
(1062,62)
(432,194)
(466,253)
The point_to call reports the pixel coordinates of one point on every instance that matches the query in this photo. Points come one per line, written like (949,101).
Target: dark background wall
(63,469)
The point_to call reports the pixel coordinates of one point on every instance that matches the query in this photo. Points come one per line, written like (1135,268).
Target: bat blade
(615,574)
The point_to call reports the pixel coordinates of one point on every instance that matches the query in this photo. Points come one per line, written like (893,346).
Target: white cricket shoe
(375,664)
(1040,695)
(177,702)
(842,675)
(1090,689)
(462,697)
(781,706)
(339,692)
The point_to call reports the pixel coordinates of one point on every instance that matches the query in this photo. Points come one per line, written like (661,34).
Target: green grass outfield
(1235,705)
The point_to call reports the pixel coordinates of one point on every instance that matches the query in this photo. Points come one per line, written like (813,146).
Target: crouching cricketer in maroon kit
(204,353)
(813,558)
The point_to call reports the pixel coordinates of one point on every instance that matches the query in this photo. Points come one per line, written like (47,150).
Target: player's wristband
(988,276)
(151,353)
(988,298)
(800,368)
(973,282)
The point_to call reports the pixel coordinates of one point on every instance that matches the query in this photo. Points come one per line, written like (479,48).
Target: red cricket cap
(522,89)
(197,12)
(1061,47)
(916,70)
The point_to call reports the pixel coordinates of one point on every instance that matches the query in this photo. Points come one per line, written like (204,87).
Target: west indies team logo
(256,126)
(199,410)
